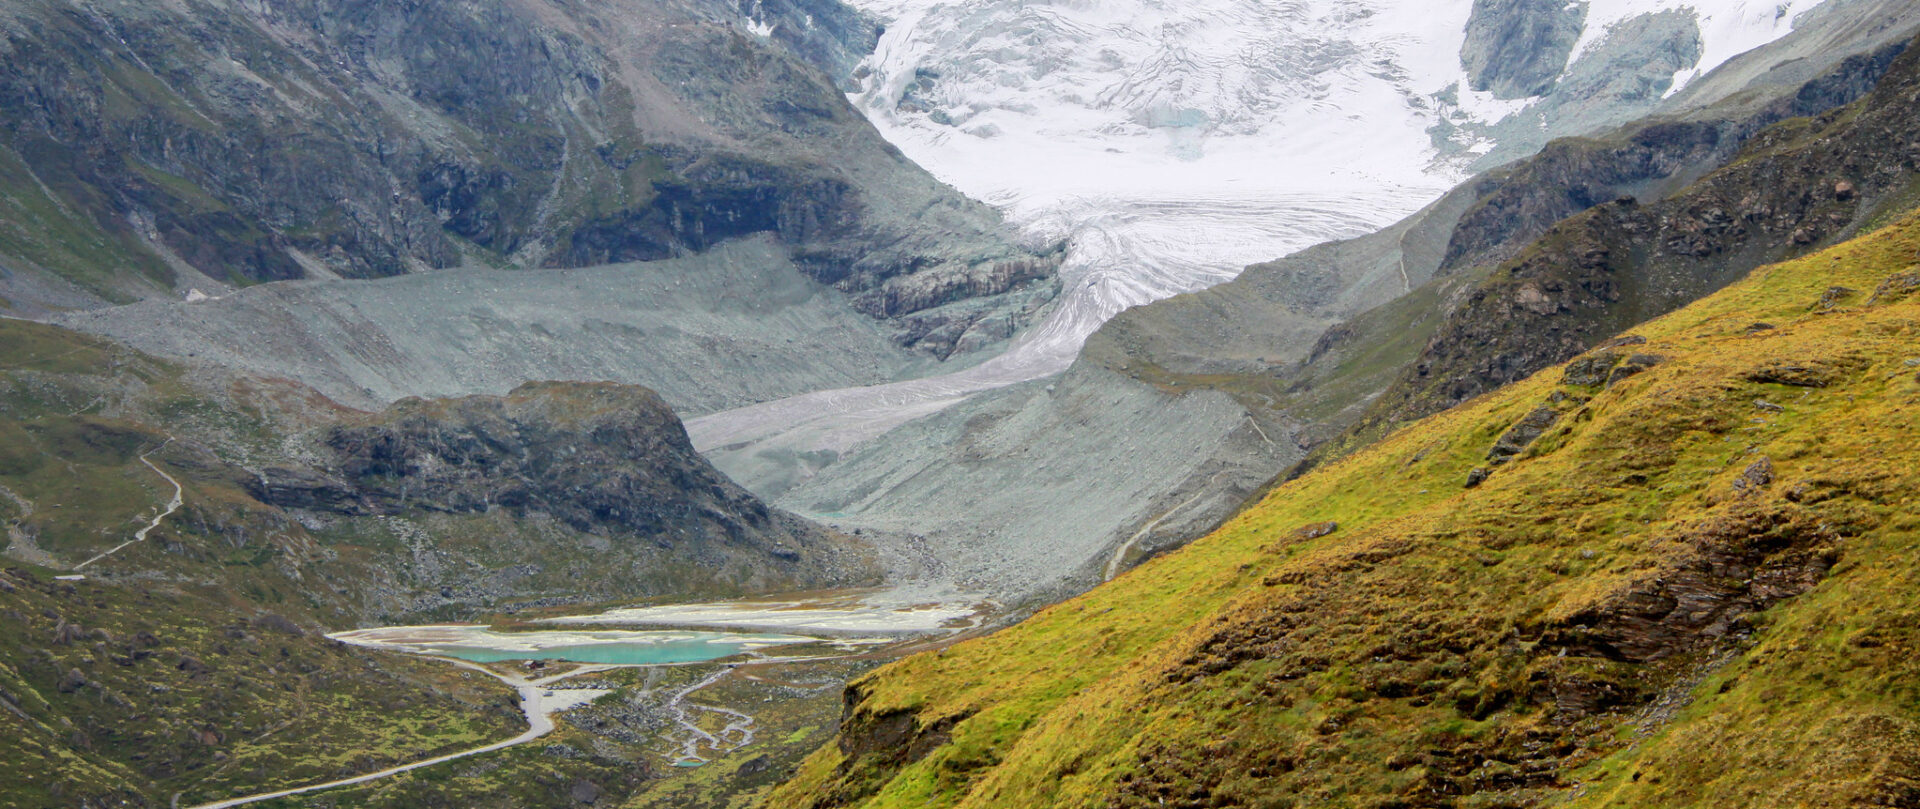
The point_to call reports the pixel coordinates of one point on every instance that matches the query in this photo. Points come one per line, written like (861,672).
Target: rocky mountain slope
(1254,326)
(1669,573)
(1172,144)
(735,325)
(188,656)
(1805,182)
(152,149)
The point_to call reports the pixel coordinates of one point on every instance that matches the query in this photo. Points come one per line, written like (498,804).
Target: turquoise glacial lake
(624,654)
(624,648)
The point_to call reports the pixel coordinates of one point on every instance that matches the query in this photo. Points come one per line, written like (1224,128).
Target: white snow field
(1169,143)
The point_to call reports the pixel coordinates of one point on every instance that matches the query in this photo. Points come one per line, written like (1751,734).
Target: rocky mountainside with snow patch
(1170,145)
(146,150)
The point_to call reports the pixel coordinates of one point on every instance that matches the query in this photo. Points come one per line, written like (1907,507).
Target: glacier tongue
(1125,252)
(1170,143)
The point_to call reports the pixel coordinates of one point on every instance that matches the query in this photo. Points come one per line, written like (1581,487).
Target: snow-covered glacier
(1045,106)
(1169,143)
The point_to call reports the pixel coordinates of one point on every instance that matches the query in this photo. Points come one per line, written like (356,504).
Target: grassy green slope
(193,669)
(112,696)
(1637,611)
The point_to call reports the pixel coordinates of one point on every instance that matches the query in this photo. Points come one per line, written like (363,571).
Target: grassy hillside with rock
(189,658)
(1673,572)
(566,491)
(128,695)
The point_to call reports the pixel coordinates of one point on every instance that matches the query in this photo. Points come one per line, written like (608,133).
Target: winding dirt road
(539,702)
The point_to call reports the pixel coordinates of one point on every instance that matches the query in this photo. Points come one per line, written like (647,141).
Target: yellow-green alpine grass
(1691,577)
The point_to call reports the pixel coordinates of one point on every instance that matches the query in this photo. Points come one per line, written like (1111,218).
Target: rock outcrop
(598,457)
(1518,48)
(608,467)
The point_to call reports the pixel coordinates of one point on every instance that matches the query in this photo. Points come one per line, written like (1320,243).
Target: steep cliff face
(147,149)
(606,461)
(1517,204)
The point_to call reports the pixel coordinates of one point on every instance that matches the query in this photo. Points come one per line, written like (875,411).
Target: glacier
(1170,144)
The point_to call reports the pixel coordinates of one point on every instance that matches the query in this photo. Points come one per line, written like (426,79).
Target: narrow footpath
(737,734)
(540,703)
(179,499)
(536,701)
(1116,563)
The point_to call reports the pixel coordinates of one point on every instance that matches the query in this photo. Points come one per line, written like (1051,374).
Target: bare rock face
(1757,476)
(1605,368)
(1896,287)
(585,792)
(304,488)
(1517,48)
(1806,372)
(900,737)
(590,455)
(1731,566)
